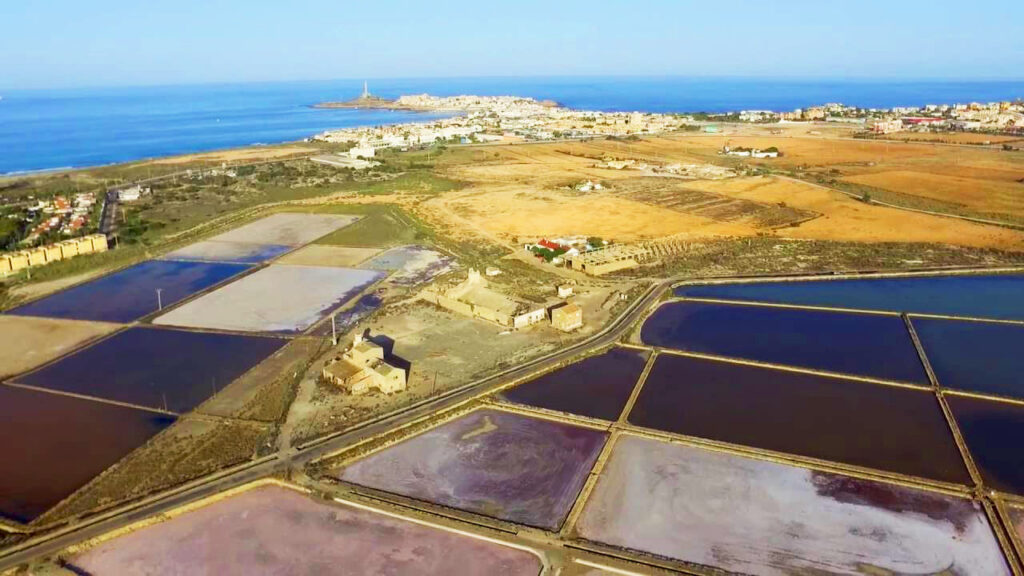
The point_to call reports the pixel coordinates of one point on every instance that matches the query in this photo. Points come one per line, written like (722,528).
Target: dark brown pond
(598,386)
(994,432)
(54,444)
(871,425)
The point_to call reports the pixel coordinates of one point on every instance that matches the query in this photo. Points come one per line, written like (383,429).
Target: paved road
(317,449)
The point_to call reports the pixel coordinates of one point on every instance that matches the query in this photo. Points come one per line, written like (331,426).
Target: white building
(362,152)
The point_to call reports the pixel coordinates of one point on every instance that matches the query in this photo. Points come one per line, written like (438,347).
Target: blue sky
(61,43)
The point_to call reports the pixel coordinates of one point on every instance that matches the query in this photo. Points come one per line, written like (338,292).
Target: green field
(381,226)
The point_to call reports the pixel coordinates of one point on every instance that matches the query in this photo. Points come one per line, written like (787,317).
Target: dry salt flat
(761,518)
(288,228)
(276,299)
(218,251)
(326,255)
(275,530)
(411,265)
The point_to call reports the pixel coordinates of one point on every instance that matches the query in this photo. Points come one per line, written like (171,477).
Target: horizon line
(896,79)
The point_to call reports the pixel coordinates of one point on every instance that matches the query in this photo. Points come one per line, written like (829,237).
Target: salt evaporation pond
(598,387)
(347,319)
(411,265)
(993,432)
(276,530)
(287,228)
(877,426)
(217,251)
(132,293)
(151,366)
(761,518)
(494,463)
(279,298)
(55,444)
(975,356)
(871,345)
(981,296)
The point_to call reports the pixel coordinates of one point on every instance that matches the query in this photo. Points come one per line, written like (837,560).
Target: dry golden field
(953,137)
(989,195)
(524,191)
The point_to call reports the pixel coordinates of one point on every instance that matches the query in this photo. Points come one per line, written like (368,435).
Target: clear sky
(59,43)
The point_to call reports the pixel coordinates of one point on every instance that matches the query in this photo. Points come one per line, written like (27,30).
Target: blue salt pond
(851,343)
(131,293)
(999,296)
(980,357)
(993,432)
(151,366)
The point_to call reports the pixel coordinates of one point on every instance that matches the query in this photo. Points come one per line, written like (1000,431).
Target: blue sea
(73,128)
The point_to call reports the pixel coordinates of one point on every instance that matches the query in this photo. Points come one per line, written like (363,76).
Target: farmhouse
(567,317)
(362,368)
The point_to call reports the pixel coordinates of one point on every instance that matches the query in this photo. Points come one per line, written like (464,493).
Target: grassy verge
(382,225)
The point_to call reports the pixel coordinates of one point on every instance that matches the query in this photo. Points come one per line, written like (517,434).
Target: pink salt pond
(274,530)
(754,517)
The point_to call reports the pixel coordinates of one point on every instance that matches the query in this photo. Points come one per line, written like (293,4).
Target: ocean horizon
(68,128)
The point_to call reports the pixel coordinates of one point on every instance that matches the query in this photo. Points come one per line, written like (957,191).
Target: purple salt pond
(275,530)
(508,466)
(598,387)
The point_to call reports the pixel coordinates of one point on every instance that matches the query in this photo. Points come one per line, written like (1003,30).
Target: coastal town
(511,119)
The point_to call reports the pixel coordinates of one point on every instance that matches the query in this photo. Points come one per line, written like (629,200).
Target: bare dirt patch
(443,350)
(675,194)
(510,212)
(240,155)
(30,342)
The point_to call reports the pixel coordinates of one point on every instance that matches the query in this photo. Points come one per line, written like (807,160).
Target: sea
(75,128)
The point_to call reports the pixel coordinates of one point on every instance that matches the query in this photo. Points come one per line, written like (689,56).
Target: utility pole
(159,300)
